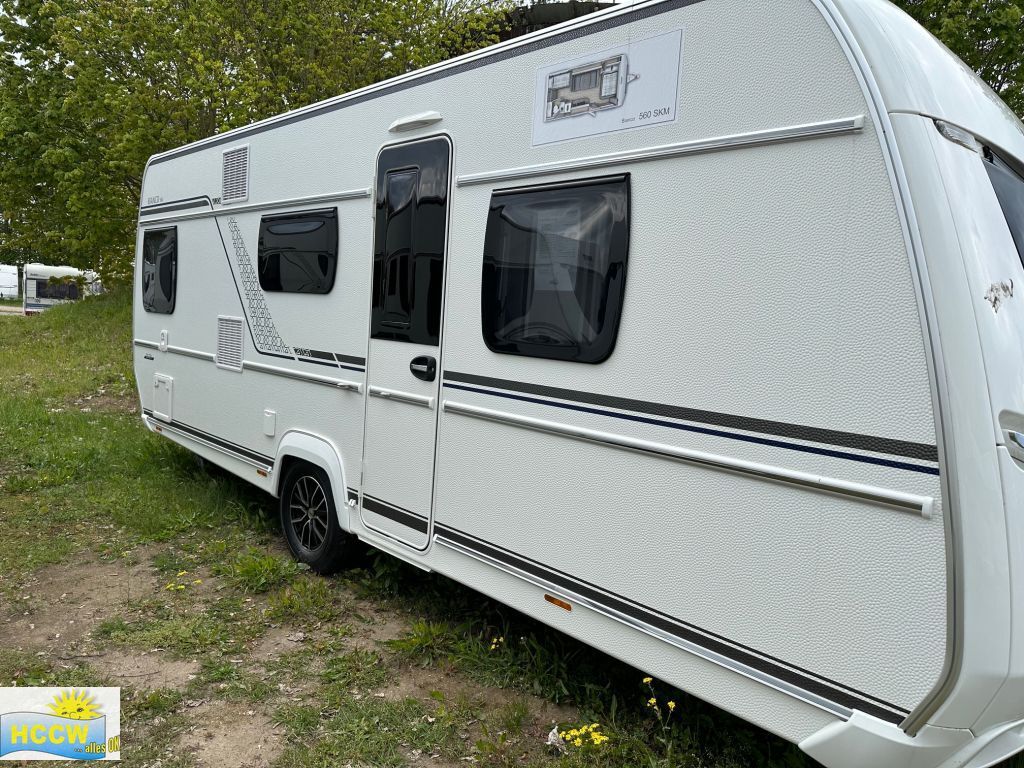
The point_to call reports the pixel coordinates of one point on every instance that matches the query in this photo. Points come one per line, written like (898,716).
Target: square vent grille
(235,181)
(229,343)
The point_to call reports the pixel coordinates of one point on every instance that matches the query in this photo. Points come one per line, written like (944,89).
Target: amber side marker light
(560,603)
(261,472)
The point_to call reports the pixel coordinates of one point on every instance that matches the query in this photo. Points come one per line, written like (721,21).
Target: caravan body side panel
(754,466)
(752,273)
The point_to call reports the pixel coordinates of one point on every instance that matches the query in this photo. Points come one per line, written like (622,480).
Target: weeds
(256,571)
(305,601)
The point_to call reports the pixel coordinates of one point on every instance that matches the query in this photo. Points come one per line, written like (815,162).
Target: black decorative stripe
(853,440)
(174,205)
(397,514)
(712,432)
(351,368)
(320,355)
(808,681)
(219,441)
(505,54)
(317,362)
(349,359)
(353,494)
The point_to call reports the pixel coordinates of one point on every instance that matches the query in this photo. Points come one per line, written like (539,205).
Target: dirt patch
(146,671)
(419,683)
(228,735)
(105,402)
(276,642)
(58,606)
(376,627)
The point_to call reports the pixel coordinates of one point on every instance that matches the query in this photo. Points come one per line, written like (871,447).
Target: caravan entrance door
(403,366)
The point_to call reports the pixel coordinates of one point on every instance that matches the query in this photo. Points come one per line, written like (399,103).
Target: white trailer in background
(693,328)
(45,286)
(8,281)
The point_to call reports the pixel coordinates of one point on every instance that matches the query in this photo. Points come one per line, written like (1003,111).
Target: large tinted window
(554,269)
(409,241)
(159,270)
(298,252)
(1009,188)
(60,288)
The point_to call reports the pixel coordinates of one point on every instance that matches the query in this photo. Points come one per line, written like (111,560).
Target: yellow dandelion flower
(671,706)
(594,725)
(648,680)
(578,742)
(652,702)
(182,573)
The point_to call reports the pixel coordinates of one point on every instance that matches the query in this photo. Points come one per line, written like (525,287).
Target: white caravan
(724,378)
(8,281)
(46,286)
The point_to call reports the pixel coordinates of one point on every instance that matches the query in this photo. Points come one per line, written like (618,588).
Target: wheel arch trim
(321,453)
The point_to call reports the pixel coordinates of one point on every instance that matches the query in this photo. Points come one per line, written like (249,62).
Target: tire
(309,519)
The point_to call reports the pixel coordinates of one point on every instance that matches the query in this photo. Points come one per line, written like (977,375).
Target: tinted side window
(409,240)
(58,289)
(298,252)
(1010,191)
(554,269)
(159,270)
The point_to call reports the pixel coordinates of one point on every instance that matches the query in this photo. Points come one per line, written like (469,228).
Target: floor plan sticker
(631,86)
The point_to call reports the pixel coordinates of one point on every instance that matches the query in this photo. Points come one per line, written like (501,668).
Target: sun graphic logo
(80,724)
(74,705)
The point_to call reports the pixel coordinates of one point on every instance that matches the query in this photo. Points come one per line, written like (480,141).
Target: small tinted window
(298,252)
(554,270)
(1009,187)
(159,270)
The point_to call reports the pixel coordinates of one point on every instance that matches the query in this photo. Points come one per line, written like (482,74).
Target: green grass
(254,571)
(77,468)
(81,477)
(10,302)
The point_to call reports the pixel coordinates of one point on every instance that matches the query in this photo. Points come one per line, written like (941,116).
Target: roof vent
(229,343)
(235,186)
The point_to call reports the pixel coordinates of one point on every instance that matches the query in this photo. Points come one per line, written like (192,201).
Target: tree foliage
(89,89)
(987,34)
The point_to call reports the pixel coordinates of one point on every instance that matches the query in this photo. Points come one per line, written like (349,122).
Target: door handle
(424,367)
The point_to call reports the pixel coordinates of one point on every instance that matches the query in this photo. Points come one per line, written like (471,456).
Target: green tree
(987,34)
(89,89)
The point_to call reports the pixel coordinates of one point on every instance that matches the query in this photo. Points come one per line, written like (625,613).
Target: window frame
(330,214)
(999,170)
(149,305)
(604,345)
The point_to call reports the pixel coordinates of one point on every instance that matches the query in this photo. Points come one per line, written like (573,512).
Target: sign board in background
(60,723)
(617,89)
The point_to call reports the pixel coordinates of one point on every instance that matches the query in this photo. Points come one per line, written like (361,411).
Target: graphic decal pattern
(265,335)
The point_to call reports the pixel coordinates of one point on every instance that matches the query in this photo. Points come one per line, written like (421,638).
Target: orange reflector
(157,428)
(261,472)
(560,603)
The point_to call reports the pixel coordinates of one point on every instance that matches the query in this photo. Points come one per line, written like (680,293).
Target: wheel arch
(297,446)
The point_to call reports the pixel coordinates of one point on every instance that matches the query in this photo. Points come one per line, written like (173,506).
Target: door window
(409,242)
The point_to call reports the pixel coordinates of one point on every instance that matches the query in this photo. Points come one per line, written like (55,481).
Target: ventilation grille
(235,185)
(229,343)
